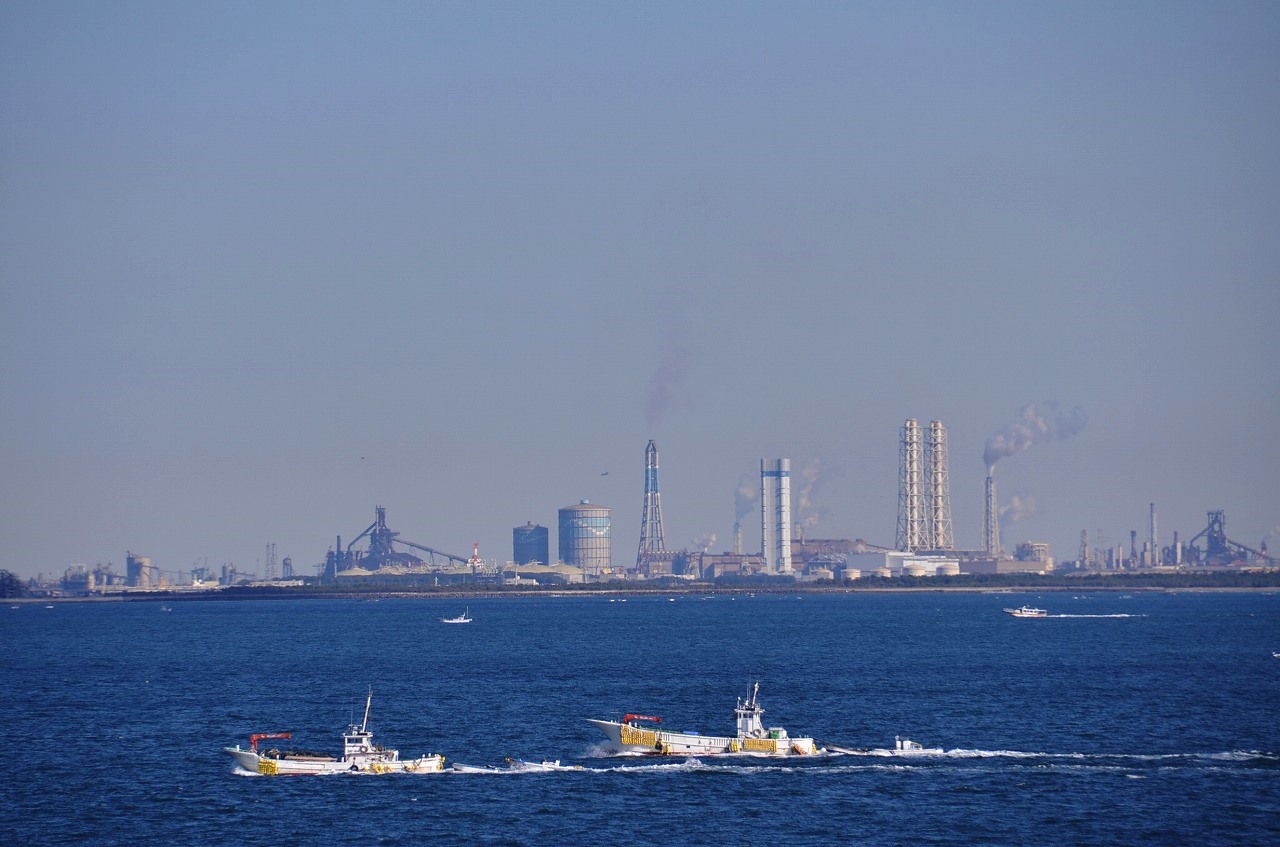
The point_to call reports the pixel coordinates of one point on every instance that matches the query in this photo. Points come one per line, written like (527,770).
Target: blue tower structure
(651,541)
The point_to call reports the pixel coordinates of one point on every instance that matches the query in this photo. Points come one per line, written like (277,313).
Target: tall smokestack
(737,538)
(775,514)
(1155,551)
(990,520)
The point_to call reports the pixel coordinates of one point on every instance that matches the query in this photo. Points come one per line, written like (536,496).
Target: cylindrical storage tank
(851,573)
(584,537)
(822,573)
(530,543)
(914,570)
(137,570)
(884,572)
(949,569)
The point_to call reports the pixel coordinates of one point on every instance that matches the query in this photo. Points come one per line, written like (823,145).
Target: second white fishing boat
(752,738)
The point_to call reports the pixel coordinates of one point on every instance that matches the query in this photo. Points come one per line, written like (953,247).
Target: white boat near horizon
(752,738)
(1027,612)
(359,755)
(465,617)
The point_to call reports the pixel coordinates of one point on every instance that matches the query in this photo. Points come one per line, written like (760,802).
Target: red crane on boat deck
(633,718)
(258,736)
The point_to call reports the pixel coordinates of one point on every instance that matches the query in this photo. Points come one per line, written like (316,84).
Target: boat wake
(1095,616)
(871,761)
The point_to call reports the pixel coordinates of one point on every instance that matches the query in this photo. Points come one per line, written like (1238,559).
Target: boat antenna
(368,701)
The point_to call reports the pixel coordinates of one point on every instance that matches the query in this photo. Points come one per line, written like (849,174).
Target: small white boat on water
(901,747)
(1027,612)
(359,755)
(752,738)
(465,617)
(907,747)
(544,765)
(517,766)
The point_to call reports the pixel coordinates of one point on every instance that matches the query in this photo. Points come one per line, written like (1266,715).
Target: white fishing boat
(544,765)
(907,747)
(359,755)
(1027,612)
(465,617)
(901,747)
(752,738)
(461,768)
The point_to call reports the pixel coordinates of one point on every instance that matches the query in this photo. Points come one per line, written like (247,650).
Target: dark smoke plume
(672,371)
(1036,423)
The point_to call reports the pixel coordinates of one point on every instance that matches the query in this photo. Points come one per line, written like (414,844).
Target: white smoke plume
(810,482)
(1017,509)
(1035,424)
(705,541)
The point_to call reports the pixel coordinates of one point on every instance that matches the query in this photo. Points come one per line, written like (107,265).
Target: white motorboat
(901,747)
(752,738)
(1027,612)
(907,747)
(359,755)
(465,617)
(544,765)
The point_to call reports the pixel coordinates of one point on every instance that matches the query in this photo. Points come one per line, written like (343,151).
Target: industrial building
(583,530)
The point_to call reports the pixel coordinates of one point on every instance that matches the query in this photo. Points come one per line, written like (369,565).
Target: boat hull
(627,738)
(315,766)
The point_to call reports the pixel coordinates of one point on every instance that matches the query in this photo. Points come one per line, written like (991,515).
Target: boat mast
(368,700)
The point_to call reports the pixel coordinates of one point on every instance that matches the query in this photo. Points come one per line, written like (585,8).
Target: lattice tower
(271,560)
(651,538)
(939,531)
(910,494)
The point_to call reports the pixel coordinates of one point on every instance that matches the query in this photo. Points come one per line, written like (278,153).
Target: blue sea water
(1143,719)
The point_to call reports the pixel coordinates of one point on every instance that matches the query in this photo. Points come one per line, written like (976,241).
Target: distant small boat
(465,617)
(1027,612)
(166,609)
(1275,655)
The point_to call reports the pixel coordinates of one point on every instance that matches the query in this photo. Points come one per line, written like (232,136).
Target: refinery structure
(924,544)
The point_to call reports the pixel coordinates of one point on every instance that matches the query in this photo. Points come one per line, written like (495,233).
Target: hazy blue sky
(267,265)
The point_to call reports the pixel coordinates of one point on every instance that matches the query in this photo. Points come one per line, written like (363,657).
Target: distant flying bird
(604,473)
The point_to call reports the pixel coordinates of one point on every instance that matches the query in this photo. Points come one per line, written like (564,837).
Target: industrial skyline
(266,267)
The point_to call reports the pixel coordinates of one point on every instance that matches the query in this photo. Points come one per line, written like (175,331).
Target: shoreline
(681,591)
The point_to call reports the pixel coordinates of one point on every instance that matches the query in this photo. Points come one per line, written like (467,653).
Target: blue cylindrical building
(530,543)
(584,537)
